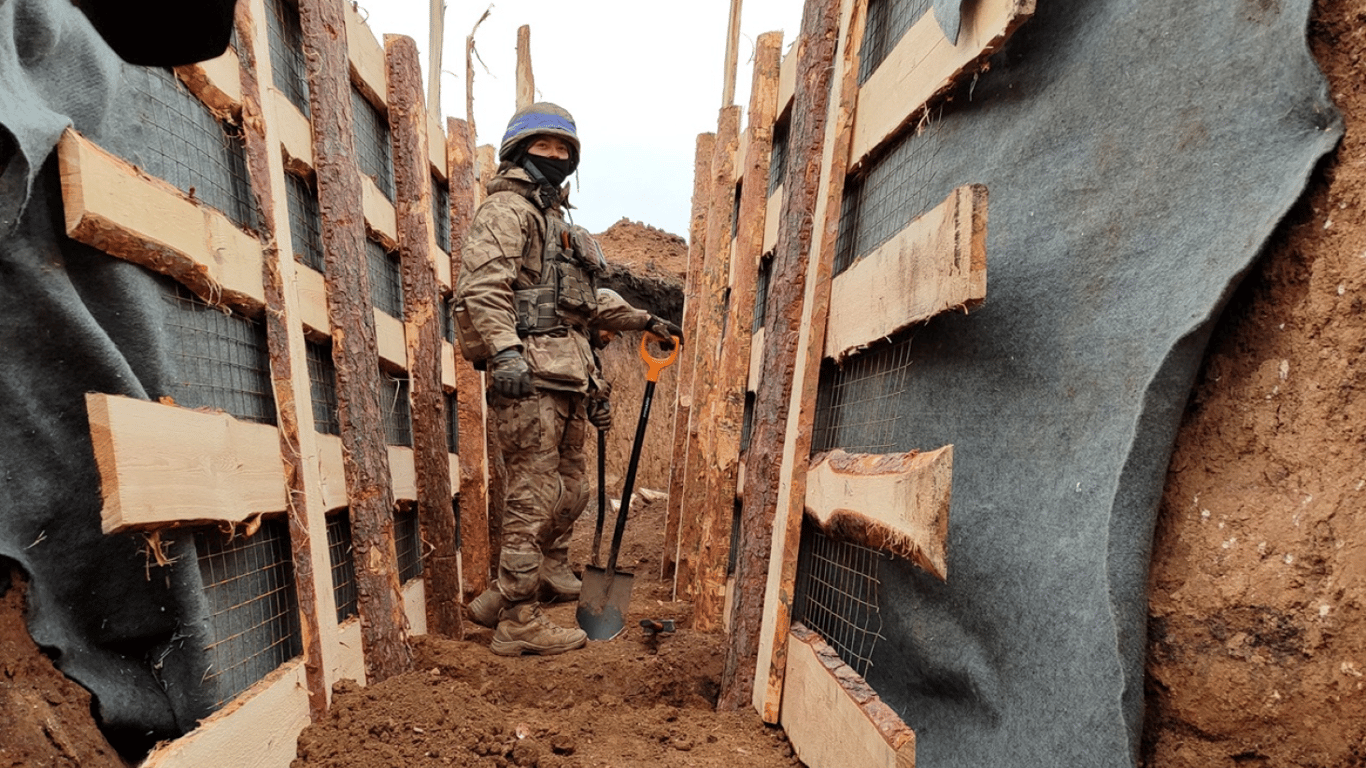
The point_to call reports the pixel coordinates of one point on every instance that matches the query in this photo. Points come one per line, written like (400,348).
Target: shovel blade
(603,601)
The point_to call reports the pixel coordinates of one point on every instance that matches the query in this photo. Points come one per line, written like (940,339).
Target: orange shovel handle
(657,364)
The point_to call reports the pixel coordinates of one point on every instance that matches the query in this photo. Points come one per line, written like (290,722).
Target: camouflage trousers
(542,441)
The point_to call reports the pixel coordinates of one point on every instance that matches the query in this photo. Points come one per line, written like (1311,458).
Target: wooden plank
(389,339)
(436,147)
(925,64)
(699,522)
(292,126)
(381,217)
(897,502)
(756,361)
(936,264)
(385,627)
(475,539)
(312,289)
(365,57)
(422,336)
(115,207)
(526,78)
(732,54)
(162,465)
(217,82)
(780,446)
(402,472)
(787,79)
(771,219)
(831,715)
(288,370)
(697,228)
(732,371)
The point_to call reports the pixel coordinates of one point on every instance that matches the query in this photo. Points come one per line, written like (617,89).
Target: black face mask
(555,171)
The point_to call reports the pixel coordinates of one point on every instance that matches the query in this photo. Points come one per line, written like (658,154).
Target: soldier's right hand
(510,375)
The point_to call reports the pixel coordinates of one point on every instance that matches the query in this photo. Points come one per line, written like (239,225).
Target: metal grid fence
(178,139)
(837,595)
(887,21)
(287,52)
(777,159)
(374,155)
(441,213)
(452,423)
(305,222)
(408,543)
(221,359)
(322,380)
(343,560)
(761,292)
(253,607)
(857,404)
(386,279)
(398,412)
(447,322)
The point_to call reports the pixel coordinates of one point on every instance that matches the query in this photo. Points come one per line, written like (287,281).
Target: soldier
(526,303)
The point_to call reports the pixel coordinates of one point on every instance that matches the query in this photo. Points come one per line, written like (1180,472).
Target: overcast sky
(642,79)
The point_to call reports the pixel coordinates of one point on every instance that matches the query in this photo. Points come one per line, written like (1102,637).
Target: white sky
(641,78)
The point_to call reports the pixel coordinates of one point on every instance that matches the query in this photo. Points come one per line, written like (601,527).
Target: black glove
(510,375)
(600,413)
(666,330)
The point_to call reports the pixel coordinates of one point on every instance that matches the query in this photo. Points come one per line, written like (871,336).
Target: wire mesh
(322,383)
(179,140)
(441,213)
(447,322)
(857,404)
(343,559)
(398,413)
(735,210)
(837,595)
(889,195)
(374,155)
(452,423)
(253,608)
(408,543)
(777,159)
(887,21)
(305,222)
(761,292)
(287,51)
(221,359)
(747,423)
(386,279)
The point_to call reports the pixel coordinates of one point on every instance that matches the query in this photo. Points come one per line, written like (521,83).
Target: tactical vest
(567,294)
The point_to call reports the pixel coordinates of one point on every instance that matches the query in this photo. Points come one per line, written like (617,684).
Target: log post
(697,229)
(526,79)
(422,334)
(469,383)
(770,456)
(384,625)
(727,401)
(286,356)
(732,54)
(699,522)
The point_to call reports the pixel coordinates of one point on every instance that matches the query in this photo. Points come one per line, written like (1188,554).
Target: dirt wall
(1257,624)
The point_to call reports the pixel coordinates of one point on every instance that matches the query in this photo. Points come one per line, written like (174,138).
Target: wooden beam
(897,502)
(705,146)
(831,715)
(925,64)
(115,207)
(288,365)
(732,54)
(526,79)
(381,216)
(469,383)
(700,523)
(385,635)
(217,82)
(780,443)
(422,336)
(162,465)
(364,56)
(732,370)
(936,264)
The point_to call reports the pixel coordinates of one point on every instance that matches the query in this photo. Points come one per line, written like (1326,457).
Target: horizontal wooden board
(366,55)
(115,207)
(381,217)
(389,338)
(292,127)
(402,472)
(898,502)
(924,63)
(936,264)
(160,464)
(832,717)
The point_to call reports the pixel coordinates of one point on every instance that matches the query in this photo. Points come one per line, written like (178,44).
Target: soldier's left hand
(600,413)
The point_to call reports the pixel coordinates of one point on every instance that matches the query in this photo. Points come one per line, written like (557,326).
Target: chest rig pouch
(566,296)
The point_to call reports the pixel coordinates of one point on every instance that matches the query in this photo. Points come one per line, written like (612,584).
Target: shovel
(606,592)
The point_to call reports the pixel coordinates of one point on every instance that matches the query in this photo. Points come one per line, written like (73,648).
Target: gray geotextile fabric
(1138,154)
(72,321)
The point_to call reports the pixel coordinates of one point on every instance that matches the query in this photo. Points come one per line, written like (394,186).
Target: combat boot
(486,608)
(524,628)
(558,582)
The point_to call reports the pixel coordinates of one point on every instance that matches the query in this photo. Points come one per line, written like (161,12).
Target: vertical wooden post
(469,384)
(286,357)
(699,521)
(486,164)
(770,456)
(732,54)
(384,625)
(526,80)
(436,41)
(697,229)
(422,333)
(731,377)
